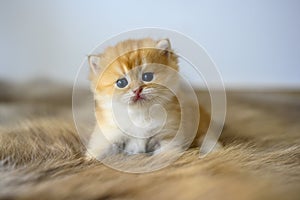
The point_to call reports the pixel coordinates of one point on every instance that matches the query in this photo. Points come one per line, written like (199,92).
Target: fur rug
(41,156)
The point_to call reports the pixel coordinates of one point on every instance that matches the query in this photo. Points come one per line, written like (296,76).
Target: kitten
(137,111)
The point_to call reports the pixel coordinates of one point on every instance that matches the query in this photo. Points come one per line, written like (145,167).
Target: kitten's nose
(138,91)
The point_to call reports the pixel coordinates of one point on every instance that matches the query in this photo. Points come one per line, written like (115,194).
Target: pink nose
(138,91)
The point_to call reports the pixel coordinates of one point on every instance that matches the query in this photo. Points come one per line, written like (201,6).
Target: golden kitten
(141,106)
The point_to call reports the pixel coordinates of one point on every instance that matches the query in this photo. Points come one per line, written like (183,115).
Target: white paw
(135,146)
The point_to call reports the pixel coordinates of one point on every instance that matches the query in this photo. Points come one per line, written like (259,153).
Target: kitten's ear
(164,45)
(94,62)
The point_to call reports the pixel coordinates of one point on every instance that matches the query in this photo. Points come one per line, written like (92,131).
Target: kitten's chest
(145,122)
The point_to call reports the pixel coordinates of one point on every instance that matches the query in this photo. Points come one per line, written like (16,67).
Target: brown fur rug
(41,156)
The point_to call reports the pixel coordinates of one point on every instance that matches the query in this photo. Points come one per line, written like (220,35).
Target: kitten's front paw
(105,151)
(152,145)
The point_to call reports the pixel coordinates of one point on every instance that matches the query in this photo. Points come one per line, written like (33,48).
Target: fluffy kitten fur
(130,59)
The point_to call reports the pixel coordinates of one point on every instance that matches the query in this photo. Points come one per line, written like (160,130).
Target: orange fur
(129,59)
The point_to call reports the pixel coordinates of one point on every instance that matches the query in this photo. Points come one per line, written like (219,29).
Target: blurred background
(254,43)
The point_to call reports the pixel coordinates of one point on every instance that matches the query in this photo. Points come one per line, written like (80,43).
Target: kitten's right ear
(94,62)
(164,44)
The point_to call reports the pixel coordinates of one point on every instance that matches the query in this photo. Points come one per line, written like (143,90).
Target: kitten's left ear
(164,45)
(94,62)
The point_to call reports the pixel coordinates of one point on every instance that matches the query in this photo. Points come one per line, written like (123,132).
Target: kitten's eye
(148,76)
(121,83)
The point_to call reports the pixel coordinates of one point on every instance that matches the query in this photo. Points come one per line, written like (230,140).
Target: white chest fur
(140,121)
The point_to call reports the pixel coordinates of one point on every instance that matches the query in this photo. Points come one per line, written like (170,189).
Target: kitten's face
(143,84)
(139,76)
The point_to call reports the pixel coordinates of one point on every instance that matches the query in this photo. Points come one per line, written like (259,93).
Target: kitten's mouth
(138,95)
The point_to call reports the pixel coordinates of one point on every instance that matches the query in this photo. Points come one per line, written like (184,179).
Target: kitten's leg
(152,145)
(157,145)
(135,146)
(100,147)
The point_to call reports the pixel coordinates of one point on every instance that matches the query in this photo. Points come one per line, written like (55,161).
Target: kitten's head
(135,72)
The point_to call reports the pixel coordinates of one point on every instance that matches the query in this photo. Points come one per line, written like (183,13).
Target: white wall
(253,42)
